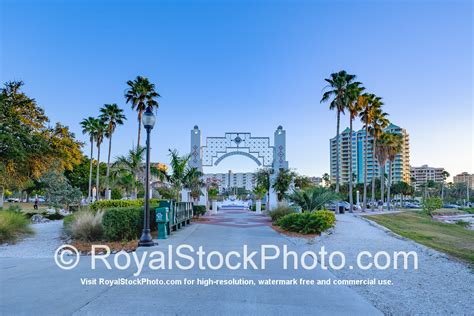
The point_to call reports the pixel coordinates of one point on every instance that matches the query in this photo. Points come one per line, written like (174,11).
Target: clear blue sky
(250,66)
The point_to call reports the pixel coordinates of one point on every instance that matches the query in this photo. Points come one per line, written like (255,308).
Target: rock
(38,218)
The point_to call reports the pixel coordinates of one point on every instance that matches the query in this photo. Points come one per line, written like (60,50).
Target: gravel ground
(42,244)
(440,285)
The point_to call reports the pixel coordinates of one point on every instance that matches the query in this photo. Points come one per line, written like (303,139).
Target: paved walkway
(37,286)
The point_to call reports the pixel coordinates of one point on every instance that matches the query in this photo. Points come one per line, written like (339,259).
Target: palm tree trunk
(366,143)
(139,128)
(108,169)
(337,150)
(389,184)
(89,193)
(373,175)
(351,200)
(2,193)
(442,191)
(97,190)
(382,182)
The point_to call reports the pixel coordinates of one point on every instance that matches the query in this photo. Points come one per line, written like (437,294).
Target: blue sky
(250,66)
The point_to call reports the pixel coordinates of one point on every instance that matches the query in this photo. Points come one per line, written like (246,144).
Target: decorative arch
(232,153)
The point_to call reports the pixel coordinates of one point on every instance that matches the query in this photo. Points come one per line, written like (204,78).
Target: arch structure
(259,149)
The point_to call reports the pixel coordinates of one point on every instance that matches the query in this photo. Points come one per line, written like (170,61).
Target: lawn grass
(448,238)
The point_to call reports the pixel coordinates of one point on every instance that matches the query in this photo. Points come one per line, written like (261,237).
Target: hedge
(199,210)
(308,222)
(105,204)
(126,223)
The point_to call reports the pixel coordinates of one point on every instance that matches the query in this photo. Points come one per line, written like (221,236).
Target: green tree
(88,127)
(141,94)
(99,132)
(445,176)
(381,154)
(111,115)
(59,192)
(182,175)
(303,182)
(262,179)
(282,182)
(337,89)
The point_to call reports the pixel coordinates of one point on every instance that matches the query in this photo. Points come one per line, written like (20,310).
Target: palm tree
(313,199)
(379,123)
(381,154)
(131,165)
(445,175)
(111,115)
(337,85)
(141,94)
(369,107)
(99,132)
(262,179)
(183,176)
(354,106)
(88,128)
(283,182)
(394,148)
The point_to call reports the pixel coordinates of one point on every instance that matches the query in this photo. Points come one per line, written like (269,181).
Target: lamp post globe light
(148,122)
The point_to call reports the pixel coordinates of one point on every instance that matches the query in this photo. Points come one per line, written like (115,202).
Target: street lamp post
(146,240)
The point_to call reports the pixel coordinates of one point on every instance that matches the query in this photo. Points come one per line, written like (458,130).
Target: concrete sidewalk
(37,286)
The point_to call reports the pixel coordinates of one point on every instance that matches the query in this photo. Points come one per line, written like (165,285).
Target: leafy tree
(394,148)
(130,167)
(111,115)
(327,180)
(182,175)
(87,125)
(141,94)
(431,204)
(379,123)
(282,183)
(28,145)
(99,133)
(313,199)
(338,90)
(58,190)
(303,182)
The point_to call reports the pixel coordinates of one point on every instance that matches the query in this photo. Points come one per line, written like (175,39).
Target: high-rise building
(465,177)
(231,180)
(401,165)
(425,173)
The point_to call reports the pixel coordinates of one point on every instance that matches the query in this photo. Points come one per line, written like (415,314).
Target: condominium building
(425,173)
(465,178)
(232,180)
(401,165)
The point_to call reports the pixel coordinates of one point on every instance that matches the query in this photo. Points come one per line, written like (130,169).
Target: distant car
(450,206)
(344,204)
(13,200)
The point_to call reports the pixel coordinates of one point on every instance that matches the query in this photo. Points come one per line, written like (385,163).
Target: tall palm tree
(354,106)
(366,116)
(131,165)
(445,175)
(337,85)
(99,132)
(111,115)
(381,154)
(88,128)
(141,94)
(379,123)
(394,148)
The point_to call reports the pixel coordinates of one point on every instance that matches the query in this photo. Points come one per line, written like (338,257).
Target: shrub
(14,208)
(87,226)
(279,212)
(254,207)
(199,210)
(54,216)
(12,226)
(106,204)
(116,194)
(68,219)
(122,224)
(431,204)
(308,222)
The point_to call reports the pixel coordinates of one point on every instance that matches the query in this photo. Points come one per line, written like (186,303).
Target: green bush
(53,216)
(199,210)
(68,219)
(14,208)
(126,223)
(279,212)
(431,204)
(254,207)
(115,194)
(105,204)
(308,222)
(13,225)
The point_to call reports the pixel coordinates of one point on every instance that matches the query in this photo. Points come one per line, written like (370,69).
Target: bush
(254,207)
(279,212)
(12,226)
(87,226)
(54,216)
(14,208)
(115,194)
(106,204)
(199,210)
(126,223)
(308,222)
(68,219)
(431,204)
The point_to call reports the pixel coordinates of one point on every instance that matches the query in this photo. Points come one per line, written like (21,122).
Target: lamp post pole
(146,240)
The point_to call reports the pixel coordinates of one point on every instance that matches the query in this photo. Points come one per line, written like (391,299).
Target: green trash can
(162,220)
